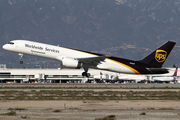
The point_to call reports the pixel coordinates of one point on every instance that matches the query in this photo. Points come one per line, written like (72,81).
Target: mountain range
(124,28)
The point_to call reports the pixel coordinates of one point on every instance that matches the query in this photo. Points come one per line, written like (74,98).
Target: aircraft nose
(4,47)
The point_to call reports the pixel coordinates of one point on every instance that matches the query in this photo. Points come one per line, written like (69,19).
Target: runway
(96,90)
(92,85)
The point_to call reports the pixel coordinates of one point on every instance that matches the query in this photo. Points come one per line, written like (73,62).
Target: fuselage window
(11,43)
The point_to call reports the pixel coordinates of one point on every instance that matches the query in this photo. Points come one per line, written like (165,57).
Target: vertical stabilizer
(158,56)
(175,72)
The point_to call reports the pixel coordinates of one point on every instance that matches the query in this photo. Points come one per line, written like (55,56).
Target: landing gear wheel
(21,55)
(86,74)
(21,62)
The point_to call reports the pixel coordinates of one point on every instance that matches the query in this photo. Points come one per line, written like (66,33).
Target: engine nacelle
(71,62)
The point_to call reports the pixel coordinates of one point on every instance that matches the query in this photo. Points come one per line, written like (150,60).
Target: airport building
(70,76)
(51,75)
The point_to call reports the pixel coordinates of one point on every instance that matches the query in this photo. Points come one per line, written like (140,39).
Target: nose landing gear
(21,55)
(21,62)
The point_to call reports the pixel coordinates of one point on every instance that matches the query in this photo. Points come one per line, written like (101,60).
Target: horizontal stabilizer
(158,70)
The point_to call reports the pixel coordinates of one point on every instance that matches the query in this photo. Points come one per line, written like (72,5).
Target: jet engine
(71,62)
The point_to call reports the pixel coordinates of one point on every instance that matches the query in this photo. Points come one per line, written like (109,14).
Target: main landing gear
(21,55)
(86,74)
(86,70)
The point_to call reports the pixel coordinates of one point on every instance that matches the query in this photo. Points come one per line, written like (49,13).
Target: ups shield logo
(160,55)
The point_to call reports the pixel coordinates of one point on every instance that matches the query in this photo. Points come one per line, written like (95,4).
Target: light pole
(44,64)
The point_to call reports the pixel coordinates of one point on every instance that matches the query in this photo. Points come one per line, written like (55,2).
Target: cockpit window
(11,43)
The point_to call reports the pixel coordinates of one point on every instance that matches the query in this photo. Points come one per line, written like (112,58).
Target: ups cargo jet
(73,58)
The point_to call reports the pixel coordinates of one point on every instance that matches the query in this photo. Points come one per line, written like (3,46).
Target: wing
(93,61)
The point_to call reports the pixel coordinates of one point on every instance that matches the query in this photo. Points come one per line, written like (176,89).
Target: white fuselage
(164,78)
(132,77)
(58,53)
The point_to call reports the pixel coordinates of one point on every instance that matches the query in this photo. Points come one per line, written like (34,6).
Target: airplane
(73,58)
(167,78)
(136,78)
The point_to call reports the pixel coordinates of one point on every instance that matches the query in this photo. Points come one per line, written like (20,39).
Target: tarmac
(95,85)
